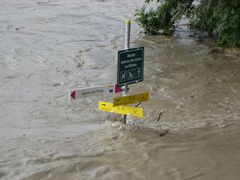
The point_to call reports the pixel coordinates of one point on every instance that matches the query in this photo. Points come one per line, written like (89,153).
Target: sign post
(126,46)
(130,70)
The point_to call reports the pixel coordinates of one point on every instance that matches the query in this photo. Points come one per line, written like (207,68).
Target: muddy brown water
(191,125)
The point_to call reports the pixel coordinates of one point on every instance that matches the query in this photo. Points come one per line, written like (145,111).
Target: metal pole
(127,33)
(126,46)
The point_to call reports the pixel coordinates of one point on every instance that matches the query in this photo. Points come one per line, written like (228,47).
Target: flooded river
(191,124)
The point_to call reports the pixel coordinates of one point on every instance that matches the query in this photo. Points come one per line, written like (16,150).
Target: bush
(219,18)
(155,20)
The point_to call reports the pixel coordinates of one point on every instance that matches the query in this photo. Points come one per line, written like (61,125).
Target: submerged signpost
(130,70)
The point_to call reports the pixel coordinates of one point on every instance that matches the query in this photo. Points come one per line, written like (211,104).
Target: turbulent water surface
(47,47)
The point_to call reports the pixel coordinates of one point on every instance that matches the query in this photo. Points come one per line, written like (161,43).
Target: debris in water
(164,132)
(160,115)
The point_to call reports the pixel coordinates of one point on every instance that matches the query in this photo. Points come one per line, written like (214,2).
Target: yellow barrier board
(131,99)
(125,110)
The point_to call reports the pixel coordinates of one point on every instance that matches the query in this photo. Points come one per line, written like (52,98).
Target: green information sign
(130,66)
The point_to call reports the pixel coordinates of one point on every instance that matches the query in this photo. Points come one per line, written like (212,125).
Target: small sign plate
(124,110)
(94,91)
(130,66)
(131,99)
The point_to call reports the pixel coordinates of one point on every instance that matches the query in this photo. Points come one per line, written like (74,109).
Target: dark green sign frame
(130,66)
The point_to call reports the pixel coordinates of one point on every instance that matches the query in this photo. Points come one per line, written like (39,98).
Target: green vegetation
(219,18)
